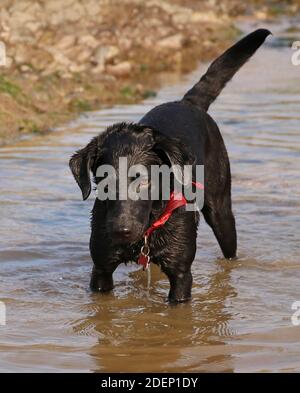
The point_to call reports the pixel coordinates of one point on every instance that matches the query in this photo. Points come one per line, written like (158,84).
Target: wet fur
(173,133)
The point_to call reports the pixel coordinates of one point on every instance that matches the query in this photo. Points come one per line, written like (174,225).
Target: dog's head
(127,220)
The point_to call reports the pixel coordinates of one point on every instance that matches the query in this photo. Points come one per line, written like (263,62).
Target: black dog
(179,133)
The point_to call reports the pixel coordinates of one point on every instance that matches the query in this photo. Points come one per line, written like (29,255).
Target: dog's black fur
(180,133)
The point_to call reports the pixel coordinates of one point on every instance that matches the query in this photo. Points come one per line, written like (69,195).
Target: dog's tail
(223,68)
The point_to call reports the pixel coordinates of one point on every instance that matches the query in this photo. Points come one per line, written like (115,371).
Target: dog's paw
(177,300)
(101,283)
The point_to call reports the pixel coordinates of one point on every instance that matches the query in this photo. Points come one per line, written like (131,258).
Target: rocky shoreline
(71,56)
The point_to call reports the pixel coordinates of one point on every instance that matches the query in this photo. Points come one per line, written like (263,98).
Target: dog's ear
(81,164)
(173,152)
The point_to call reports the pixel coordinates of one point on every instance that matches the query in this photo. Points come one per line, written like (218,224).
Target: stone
(70,11)
(59,58)
(125,44)
(65,42)
(88,40)
(84,55)
(121,69)
(33,27)
(76,68)
(9,62)
(206,17)
(99,69)
(74,13)
(172,42)
(261,15)
(55,6)
(25,68)
(21,54)
(104,54)
(182,18)
(92,9)
(153,22)
(207,43)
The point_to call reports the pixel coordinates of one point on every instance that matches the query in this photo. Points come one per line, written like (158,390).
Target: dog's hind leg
(221,220)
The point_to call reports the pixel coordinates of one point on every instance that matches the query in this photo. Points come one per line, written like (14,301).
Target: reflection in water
(240,315)
(147,337)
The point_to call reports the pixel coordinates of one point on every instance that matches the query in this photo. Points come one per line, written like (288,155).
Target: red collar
(176,200)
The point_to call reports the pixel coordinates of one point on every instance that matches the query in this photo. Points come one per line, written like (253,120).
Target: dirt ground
(63,58)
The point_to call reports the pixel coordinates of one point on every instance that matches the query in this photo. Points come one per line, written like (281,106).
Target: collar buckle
(144,258)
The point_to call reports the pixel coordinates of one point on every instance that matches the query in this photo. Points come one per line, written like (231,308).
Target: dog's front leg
(105,261)
(102,277)
(102,273)
(180,283)
(177,257)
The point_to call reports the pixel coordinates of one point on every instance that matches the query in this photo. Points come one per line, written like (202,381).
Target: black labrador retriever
(180,133)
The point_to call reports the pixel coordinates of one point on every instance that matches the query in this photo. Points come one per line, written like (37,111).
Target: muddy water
(240,315)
